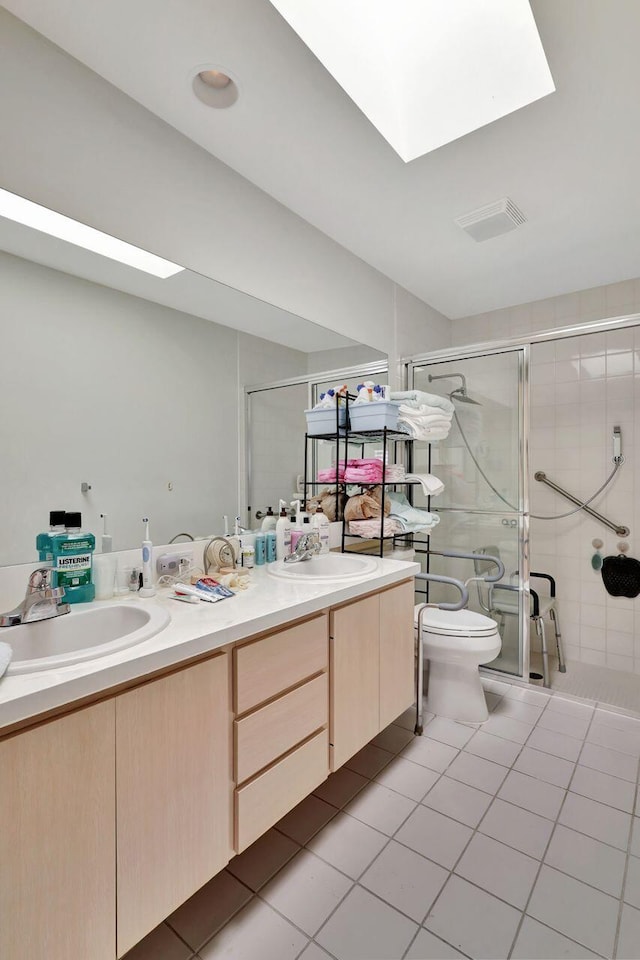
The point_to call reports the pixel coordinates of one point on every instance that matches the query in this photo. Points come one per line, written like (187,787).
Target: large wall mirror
(123,394)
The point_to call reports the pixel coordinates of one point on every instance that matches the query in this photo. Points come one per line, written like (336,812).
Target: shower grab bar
(617,528)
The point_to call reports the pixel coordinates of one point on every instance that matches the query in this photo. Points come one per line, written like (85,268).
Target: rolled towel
(416,398)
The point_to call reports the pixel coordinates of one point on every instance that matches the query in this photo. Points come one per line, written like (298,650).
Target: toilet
(455,643)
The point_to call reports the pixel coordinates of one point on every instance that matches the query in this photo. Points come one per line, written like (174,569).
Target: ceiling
(568,161)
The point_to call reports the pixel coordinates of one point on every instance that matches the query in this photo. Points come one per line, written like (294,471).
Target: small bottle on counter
(248,557)
(260,549)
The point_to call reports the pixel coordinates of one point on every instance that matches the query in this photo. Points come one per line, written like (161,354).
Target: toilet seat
(456,623)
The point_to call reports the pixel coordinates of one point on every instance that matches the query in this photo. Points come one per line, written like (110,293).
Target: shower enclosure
(483,464)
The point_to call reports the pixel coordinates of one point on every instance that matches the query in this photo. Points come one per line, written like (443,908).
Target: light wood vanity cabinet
(58,839)
(372,668)
(173,793)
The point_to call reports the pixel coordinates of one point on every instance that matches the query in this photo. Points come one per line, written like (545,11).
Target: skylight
(57,225)
(426,72)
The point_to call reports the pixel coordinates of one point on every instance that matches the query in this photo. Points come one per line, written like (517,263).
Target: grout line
(625,874)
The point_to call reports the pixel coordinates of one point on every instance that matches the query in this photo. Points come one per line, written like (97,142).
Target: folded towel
(371,528)
(410,517)
(417,398)
(416,415)
(431,486)
(423,433)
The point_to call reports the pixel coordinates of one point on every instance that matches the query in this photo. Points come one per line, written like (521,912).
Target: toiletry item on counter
(272,546)
(260,550)
(104,576)
(57,524)
(213,587)
(106,543)
(248,556)
(186,598)
(72,560)
(135,575)
(148,589)
(269,521)
(283,533)
(321,524)
(206,589)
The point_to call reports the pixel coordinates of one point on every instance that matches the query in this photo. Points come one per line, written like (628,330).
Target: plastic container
(375,415)
(104,575)
(324,420)
(72,559)
(261,549)
(271,546)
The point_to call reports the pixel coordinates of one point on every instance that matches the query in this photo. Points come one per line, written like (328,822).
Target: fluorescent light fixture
(55,224)
(426,72)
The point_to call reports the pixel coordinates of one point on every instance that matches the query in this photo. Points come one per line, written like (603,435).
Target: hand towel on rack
(417,398)
(370,529)
(411,518)
(431,486)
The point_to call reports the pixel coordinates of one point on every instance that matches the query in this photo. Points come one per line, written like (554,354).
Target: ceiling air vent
(491,220)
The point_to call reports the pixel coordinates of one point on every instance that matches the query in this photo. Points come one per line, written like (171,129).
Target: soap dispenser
(283,533)
(269,520)
(320,523)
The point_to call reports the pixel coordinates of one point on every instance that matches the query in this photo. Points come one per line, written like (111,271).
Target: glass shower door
(482,508)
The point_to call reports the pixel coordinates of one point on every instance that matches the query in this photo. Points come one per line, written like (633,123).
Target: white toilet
(455,643)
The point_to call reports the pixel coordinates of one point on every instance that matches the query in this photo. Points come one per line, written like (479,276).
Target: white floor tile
(341,787)
(430,753)
(575,910)
(632,883)
(306,891)
(393,738)
(479,773)
(521,829)
(543,766)
(492,700)
(499,687)
(537,942)
(571,706)
(473,921)
(363,926)
(629,937)
(621,740)
(257,931)
(586,859)
(596,820)
(263,859)
(567,724)
(635,838)
(519,710)
(426,946)
(448,731)
(160,944)
(305,820)
(534,795)
(458,800)
(380,808)
(369,761)
(617,720)
(410,779)
(498,869)
(609,761)
(434,836)
(604,788)
(493,748)
(527,695)
(348,844)
(207,911)
(314,952)
(557,744)
(404,879)
(508,728)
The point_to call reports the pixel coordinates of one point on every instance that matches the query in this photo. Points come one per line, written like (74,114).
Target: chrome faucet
(40,603)
(308,546)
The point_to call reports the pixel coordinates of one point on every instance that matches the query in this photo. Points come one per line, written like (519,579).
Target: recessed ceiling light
(31,214)
(214,86)
(426,72)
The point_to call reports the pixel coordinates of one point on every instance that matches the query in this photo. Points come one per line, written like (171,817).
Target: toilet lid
(457,623)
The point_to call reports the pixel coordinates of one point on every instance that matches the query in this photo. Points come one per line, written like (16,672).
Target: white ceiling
(569,161)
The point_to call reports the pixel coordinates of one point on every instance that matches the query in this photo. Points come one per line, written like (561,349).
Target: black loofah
(621,576)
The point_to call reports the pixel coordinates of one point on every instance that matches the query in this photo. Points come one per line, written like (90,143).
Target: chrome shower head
(460,393)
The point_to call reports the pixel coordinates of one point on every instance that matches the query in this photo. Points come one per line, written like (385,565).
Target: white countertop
(194,630)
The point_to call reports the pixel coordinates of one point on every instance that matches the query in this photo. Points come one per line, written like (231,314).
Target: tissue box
(375,415)
(323,421)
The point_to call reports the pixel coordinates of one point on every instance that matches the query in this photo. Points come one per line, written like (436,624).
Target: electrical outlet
(168,564)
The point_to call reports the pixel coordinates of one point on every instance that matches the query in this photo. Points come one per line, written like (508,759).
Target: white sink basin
(331,566)
(86,633)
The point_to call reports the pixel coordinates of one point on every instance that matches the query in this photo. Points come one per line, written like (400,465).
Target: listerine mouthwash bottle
(72,556)
(57,524)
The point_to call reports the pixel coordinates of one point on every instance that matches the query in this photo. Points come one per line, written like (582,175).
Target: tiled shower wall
(580,388)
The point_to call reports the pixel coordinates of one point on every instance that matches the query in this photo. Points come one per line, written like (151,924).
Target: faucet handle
(41,581)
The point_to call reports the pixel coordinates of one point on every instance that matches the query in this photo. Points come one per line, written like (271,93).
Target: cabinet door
(397,652)
(355,678)
(57,839)
(174,792)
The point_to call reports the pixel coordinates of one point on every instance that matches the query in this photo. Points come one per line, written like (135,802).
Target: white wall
(127,395)
(583,306)
(582,387)
(79,145)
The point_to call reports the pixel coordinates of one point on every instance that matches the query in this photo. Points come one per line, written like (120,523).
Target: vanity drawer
(264,668)
(265,799)
(263,736)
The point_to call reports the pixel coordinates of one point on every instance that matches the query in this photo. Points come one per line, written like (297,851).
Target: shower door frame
(523,350)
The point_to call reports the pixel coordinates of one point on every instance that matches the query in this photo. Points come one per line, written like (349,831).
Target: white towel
(406,410)
(417,398)
(427,419)
(431,486)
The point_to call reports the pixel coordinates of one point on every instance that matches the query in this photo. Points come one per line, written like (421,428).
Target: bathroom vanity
(126,783)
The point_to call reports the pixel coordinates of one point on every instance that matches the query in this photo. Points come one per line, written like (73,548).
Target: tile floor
(518,838)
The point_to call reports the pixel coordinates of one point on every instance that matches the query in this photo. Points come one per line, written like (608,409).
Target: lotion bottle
(268,521)
(283,533)
(320,523)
